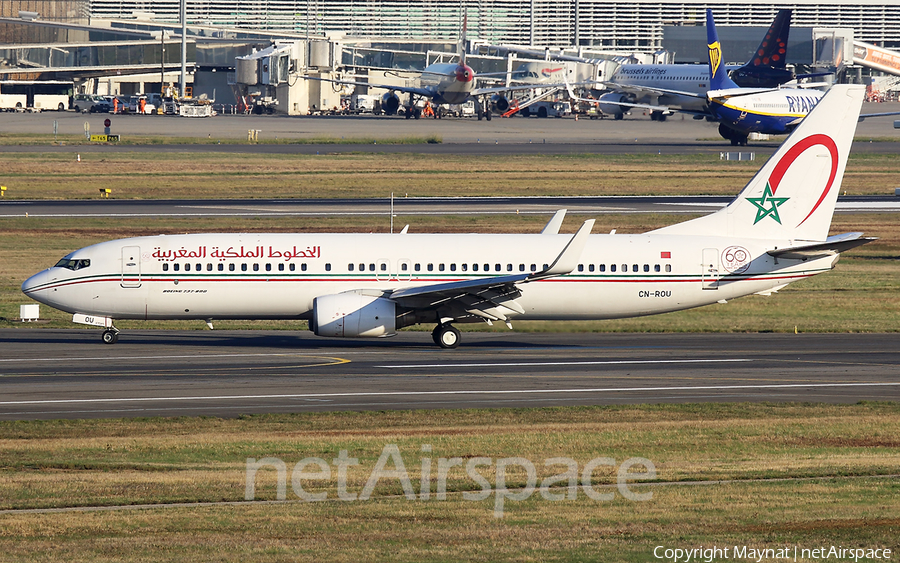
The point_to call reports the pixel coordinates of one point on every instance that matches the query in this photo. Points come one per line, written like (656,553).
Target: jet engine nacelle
(499,103)
(608,104)
(390,103)
(354,314)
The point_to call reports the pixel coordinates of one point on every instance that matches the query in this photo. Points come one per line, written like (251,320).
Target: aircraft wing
(832,245)
(487,297)
(498,89)
(405,89)
(883,114)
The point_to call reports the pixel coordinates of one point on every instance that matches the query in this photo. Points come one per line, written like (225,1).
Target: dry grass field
(217,175)
(759,475)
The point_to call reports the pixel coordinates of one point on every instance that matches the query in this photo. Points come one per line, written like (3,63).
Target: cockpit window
(71,264)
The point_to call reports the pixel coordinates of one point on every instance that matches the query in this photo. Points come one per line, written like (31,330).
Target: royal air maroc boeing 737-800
(370,285)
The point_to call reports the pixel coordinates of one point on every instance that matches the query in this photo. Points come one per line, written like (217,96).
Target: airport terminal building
(601,23)
(636,25)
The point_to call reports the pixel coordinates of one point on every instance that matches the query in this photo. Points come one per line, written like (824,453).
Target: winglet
(568,258)
(552,227)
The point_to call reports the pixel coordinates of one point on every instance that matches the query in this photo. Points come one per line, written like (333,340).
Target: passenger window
(497,267)
(487,267)
(624,268)
(384,267)
(646,267)
(521,267)
(302,267)
(268,267)
(431,267)
(349,267)
(187,267)
(452,267)
(634,268)
(474,267)
(404,267)
(292,267)
(465,267)
(612,267)
(602,267)
(371,267)
(590,267)
(165,267)
(534,267)
(255,267)
(281,266)
(656,268)
(581,267)
(668,267)
(175,267)
(231,267)
(243,267)
(418,267)
(509,267)
(198,267)
(327,267)
(221,267)
(440,267)
(209,267)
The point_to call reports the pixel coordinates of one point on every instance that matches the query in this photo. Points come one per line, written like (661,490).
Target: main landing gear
(446,336)
(110,335)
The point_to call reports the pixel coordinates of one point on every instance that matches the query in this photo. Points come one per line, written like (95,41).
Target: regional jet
(370,285)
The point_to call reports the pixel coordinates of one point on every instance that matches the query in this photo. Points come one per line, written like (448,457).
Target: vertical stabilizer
(462,37)
(719,77)
(772,50)
(793,195)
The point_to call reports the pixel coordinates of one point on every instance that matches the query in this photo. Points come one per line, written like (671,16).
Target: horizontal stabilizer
(832,245)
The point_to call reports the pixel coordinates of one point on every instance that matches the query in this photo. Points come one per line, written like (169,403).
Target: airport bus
(35,94)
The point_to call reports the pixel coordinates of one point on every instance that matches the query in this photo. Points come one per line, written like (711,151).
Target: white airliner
(446,83)
(370,285)
(682,87)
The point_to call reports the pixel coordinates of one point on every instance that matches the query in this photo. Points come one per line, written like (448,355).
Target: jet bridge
(269,81)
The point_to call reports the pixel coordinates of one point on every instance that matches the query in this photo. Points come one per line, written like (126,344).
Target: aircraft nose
(32,287)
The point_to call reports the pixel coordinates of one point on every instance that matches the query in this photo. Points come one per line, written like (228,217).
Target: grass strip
(837,451)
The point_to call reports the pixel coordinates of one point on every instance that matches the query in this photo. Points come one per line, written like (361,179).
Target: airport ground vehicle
(36,95)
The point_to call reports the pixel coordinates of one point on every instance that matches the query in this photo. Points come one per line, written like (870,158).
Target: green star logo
(767,206)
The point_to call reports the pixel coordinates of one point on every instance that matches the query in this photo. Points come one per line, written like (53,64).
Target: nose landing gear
(110,335)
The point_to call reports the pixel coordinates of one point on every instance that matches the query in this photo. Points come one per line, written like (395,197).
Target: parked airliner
(683,87)
(370,285)
(443,83)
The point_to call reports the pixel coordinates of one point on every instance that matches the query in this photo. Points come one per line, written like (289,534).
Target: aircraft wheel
(447,336)
(734,142)
(620,116)
(110,336)
(488,115)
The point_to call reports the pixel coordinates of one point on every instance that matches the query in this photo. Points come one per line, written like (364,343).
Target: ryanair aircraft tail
(718,75)
(793,195)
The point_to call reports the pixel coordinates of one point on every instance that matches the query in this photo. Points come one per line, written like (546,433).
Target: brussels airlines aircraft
(684,86)
(370,285)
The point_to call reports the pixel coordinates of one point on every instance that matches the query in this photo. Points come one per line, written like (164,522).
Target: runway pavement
(402,206)
(635,134)
(70,374)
